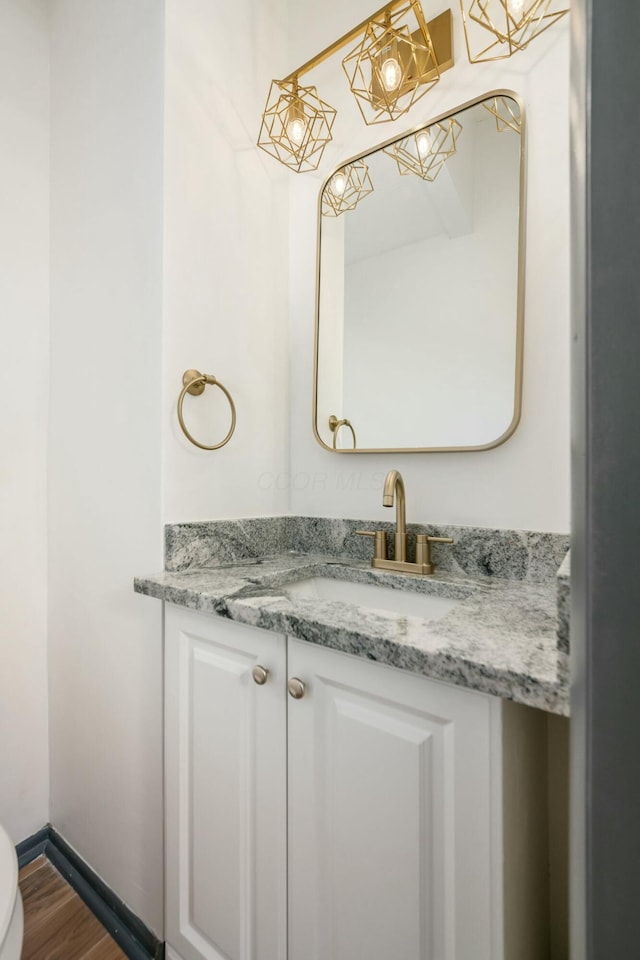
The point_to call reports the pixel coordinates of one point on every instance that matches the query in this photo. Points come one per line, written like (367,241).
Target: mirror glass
(419,302)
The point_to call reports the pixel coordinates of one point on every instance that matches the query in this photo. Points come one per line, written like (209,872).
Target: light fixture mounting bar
(440,29)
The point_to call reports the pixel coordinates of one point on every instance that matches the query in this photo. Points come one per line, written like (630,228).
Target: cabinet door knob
(296,688)
(260,675)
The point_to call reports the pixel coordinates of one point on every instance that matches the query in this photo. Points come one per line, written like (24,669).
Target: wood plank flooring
(57,924)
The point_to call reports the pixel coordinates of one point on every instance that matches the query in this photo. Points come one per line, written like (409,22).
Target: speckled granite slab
(510,554)
(563,594)
(216,542)
(499,639)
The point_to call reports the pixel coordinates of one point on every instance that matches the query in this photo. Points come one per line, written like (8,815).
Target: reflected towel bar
(335,425)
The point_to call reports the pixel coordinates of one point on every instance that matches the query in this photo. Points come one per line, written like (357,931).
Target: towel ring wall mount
(194,383)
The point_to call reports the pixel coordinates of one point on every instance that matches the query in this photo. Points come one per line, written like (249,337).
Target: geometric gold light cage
(399,56)
(424,153)
(496,29)
(296,125)
(346,188)
(506,112)
(393,65)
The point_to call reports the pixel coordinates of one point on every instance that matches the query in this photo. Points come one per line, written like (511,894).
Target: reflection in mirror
(419,326)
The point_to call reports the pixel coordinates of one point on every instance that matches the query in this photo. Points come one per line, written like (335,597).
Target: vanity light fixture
(424,153)
(296,125)
(399,57)
(394,64)
(506,113)
(346,189)
(512,24)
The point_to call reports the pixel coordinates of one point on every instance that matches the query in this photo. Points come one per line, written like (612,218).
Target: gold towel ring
(335,425)
(194,383)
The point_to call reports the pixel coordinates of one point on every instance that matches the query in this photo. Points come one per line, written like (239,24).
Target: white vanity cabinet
(226,790)
(394,819)
(362,821)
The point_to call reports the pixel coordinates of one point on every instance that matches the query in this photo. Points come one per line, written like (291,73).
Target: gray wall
(605,870)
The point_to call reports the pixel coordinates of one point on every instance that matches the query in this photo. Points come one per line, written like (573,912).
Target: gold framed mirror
(420,287)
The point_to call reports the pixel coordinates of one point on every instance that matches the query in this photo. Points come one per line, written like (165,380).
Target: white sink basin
(384,600)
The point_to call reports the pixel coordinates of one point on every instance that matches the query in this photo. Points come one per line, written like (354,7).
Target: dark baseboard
(33,846)
(132,936)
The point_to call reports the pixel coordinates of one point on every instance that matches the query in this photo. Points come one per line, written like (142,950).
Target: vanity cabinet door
(225,754)
(394,815)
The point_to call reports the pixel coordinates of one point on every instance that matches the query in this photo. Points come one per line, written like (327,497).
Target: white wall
(105,520)
(189,261)
(225,260)
(525,482)
(24,321)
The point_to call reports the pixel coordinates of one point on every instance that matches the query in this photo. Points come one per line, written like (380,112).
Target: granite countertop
(505,637)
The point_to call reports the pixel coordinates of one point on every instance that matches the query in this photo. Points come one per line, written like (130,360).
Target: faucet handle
(381,541)
(423,550)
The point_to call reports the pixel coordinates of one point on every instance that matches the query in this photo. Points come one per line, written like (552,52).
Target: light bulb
(424,144)
(516,9)
(391,74)
(295,130)
(338,184)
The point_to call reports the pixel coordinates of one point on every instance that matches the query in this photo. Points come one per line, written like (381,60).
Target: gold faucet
(394,487)
(424,565)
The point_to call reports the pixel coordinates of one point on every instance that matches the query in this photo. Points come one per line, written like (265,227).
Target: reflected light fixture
(425,153)
(506,113)
(398,58)
(346,188)
(296,125)
(496,29)
(394,64)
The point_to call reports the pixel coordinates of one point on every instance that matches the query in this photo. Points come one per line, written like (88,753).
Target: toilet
(11,917)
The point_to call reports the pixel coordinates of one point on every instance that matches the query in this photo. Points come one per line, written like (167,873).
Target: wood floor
(57,924)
